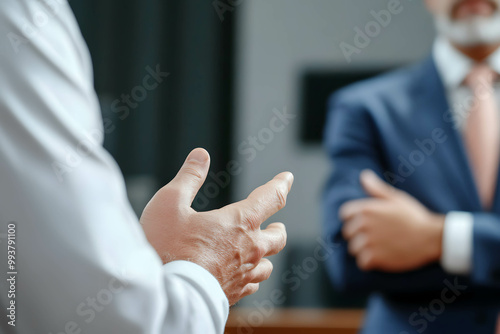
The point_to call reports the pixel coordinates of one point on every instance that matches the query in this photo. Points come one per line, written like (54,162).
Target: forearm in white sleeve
(84,264)
(457,247)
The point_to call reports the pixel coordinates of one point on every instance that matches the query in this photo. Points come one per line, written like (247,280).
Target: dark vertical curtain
(192,107)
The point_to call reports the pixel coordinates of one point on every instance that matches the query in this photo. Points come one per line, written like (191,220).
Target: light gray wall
(277,40)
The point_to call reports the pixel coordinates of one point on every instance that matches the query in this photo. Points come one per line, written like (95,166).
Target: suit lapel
(453,156)
(496,199)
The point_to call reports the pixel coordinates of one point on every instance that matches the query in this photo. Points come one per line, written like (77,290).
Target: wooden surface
(294,321)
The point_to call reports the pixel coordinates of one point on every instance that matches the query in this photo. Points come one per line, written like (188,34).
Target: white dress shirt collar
(453,66)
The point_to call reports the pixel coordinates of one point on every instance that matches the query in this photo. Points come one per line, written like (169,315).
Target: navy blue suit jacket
(400,126)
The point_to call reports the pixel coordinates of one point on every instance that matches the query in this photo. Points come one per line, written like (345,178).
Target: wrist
(434,237)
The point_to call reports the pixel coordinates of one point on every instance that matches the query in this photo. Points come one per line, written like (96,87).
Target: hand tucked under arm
(390,231)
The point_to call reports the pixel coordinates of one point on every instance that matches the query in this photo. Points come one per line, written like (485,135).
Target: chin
(477,30)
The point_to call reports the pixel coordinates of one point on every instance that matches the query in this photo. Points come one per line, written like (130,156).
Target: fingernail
(199,155)
(290,178)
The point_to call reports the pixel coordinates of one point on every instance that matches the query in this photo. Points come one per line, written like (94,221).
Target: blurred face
(467,22)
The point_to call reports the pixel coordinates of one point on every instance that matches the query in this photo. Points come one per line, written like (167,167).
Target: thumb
(375,186)
(192,175)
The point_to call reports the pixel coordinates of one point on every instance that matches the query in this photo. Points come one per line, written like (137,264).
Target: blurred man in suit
(426,241)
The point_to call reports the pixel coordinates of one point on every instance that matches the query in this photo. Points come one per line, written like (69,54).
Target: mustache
(457,3)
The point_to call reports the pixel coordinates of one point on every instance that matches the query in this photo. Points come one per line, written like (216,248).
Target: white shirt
(453,68)
(83,263)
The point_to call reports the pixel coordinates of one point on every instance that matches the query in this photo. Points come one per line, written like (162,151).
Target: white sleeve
(83,262)
(458,243)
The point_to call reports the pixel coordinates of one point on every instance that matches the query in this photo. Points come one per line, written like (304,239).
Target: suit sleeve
(353,144)
(486,250)
(83,262)
(471,244)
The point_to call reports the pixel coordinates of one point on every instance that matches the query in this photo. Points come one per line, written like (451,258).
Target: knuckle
(193,172)
(280,198)
(251,218)
(240,230)
(259,251)
(237,216)
(244,217)
(256,252)
(246,278)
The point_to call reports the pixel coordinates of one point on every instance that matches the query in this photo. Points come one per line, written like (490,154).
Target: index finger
(264,201)
(351,208)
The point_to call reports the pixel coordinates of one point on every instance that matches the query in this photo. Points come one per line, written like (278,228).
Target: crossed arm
(388,240)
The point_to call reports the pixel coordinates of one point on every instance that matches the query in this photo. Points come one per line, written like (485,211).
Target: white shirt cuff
(456,257)
(206,283)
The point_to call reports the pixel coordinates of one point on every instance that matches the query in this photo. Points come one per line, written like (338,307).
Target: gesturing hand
(391,231)
(228,242)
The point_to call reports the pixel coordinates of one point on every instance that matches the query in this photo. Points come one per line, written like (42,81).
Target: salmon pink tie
(481,133)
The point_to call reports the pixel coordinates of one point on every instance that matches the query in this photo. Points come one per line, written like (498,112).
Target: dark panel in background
(199,92)
(191,107)
(317,87)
